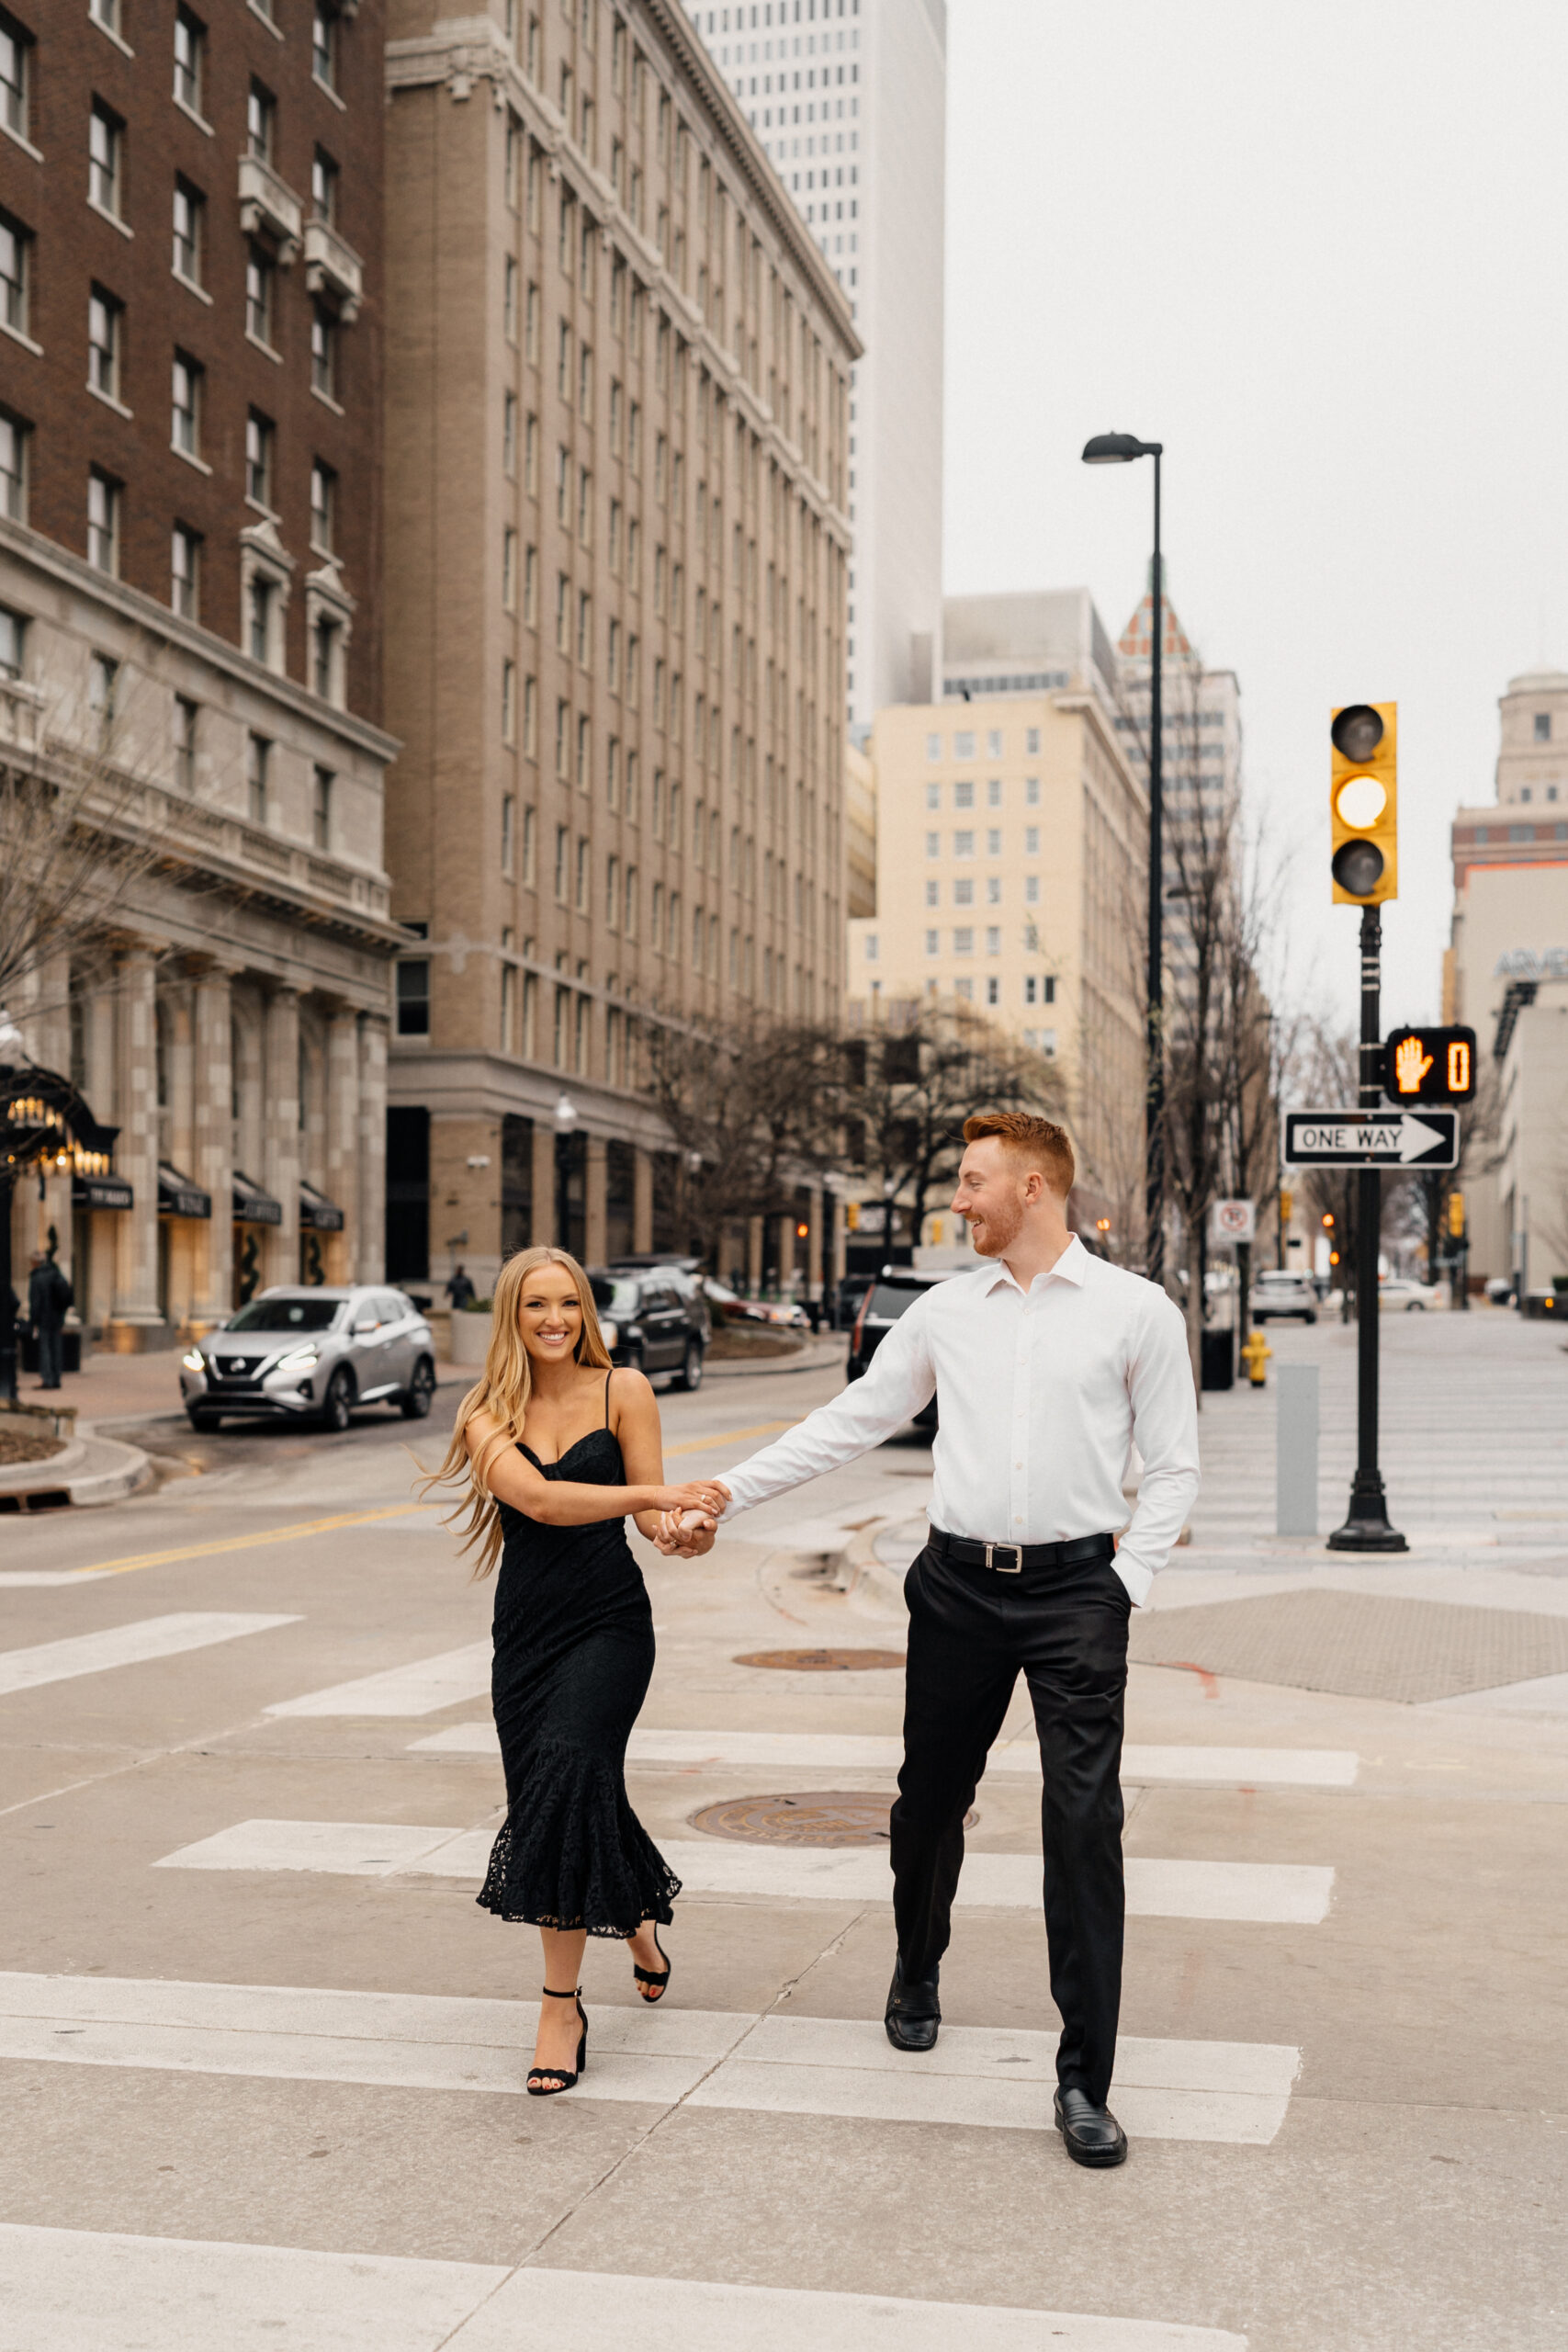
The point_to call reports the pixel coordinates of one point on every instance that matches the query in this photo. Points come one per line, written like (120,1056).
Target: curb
(815,1356)
(90,1472)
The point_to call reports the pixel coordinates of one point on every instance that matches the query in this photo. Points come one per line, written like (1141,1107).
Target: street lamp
(565,1117)
(1120,449)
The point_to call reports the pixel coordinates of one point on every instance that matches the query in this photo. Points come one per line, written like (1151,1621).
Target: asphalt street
(261,2054)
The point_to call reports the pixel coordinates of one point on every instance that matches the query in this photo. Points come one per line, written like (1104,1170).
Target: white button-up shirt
(1041,1396)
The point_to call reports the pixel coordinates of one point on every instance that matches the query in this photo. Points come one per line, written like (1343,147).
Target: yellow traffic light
(1287,1205)
(1455,1215)
(1363,803)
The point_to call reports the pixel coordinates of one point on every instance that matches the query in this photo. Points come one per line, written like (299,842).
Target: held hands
(688,1532)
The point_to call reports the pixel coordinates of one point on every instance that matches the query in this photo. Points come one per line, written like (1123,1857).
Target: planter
(470,1338)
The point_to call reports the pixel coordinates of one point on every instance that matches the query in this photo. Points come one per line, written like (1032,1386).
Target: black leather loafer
(1091,2134)
(914,2012)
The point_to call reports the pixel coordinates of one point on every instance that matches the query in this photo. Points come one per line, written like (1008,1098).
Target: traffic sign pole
(1366,1527)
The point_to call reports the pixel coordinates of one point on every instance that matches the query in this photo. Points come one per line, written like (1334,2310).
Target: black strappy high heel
(548,2081)
(652,1976)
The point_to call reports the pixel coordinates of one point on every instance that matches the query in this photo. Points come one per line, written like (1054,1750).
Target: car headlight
(194,1360)
(611,1334)
(298,1360)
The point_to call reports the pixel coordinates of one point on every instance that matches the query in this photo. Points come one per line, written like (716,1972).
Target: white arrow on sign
(1415,1136)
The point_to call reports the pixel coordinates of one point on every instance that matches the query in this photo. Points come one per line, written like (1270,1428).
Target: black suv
(893,1293)
(654,1318)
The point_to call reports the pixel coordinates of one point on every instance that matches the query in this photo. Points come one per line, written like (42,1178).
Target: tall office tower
(618,568)
(1011,837)
(848,98)
(190,454)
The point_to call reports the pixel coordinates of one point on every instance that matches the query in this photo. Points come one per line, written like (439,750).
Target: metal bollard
(1295,1451)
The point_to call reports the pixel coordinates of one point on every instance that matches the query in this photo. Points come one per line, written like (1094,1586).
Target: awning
(251,1205)
(177,1196)
(101,1193)
(317,1214)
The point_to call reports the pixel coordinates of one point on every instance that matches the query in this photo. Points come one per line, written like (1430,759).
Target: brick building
(190,497)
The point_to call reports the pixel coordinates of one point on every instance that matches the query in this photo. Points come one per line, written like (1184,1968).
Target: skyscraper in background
(848,100)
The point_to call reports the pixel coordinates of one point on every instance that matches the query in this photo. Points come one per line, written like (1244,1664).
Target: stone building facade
(189,554)
(617,562)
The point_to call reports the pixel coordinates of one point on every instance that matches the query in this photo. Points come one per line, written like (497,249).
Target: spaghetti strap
(607,1377)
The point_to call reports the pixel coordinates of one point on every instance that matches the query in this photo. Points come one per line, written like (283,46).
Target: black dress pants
(972,1630)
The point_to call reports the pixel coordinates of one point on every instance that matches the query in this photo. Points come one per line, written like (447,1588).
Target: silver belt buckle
(1001,1565)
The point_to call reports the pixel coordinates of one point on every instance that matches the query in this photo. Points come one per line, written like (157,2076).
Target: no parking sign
(1233,1221)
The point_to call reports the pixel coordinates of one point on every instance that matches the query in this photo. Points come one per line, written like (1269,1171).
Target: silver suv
(1279,1294)
(312,1354)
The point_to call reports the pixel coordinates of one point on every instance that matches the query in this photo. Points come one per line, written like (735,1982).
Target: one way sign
(1371,1138)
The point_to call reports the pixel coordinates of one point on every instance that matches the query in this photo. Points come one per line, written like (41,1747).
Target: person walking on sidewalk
(1048,1365)
(48,1296)
(555,1449)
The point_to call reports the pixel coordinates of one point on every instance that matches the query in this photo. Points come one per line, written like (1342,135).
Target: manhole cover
(823,1661)
(816,1818)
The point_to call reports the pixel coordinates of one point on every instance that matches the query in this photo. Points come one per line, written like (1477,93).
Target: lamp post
(565,1118)
(1120,449)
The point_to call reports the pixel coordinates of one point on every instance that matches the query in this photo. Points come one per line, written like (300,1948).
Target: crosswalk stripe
(119,2293)
(999,2078)
(149,1637)
(1326,1768)
(1279,1893)
(421,1688)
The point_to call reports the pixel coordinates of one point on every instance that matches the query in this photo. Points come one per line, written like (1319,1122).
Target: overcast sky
(1320,254)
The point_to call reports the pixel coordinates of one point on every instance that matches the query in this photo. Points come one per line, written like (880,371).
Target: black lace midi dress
(573,1659)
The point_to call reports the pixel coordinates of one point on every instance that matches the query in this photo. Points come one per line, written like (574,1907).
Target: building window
(563,852)
(964,844)
(261,121)
(15,257)
(185,573)
(15,63)
(260,442)
(963,796)
(933,844)
(508,834)
(932,942)
(509,702)
(933,796)
(993,939)
(104,336)
(324,639)
(190,59)
(258,762)
(870,946)
(1031,792)
(321,783)
(323,186)
(323,44)
(963,941)
(1543,726)
(963,893)
(189,222)
(260,599)
(106,158)
(13,638)
(964,747)
(323,352)
(1032,889)
(103,521)
(102,683)
(994,793)
(260,276)
(323,507)
(994,744)
(13,467)
(414,998)
(993,991)
(187,719)
(185,422)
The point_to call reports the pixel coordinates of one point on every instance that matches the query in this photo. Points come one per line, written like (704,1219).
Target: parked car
(685,1272)
(847,1300)
(891,1294)
(730,1307)
(652,1322)
(1402,1294)
(1282,1293)
(312,1354)
(1502,1290)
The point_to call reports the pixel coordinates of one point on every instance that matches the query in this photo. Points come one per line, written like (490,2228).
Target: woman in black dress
(558,1448)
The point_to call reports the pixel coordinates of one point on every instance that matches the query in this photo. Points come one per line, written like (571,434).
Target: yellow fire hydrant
(1254,1354)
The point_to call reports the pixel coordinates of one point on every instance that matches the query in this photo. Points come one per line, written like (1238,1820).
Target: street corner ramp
(1357,1644)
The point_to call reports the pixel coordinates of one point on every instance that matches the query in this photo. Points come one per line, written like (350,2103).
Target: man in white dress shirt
(1048,1364)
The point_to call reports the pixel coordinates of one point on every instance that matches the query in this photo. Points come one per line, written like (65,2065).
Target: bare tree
(751,1108)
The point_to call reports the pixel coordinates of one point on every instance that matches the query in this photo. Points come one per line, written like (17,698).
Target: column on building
(342,1141)
(178,1236)
(280,1132)
(642,1202)
(754,1255)
(213,1146)
(814,1242)
(594,1243)
(135,1320)
(544,1183)
(96,1260)
(48,1034)
(372,1251)
(786,1254)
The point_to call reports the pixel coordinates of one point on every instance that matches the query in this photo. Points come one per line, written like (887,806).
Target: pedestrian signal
(1456,1216)
(1363,803)
(1429,1066)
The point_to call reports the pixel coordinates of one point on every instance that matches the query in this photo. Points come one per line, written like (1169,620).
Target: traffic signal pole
(1367,1526)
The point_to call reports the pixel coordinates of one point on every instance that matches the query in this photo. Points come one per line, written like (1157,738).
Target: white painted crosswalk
(990,2077)
(118,2293)
(133,1645)
(1320,1767)
(421,1687)
(1281,1894)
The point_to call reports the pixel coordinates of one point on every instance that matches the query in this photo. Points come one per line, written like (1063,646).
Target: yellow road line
(729,1437)
(247,1543)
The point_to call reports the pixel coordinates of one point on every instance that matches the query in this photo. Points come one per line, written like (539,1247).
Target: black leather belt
(1011,1559)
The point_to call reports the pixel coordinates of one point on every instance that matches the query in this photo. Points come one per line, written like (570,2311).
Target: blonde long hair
(502,1391)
